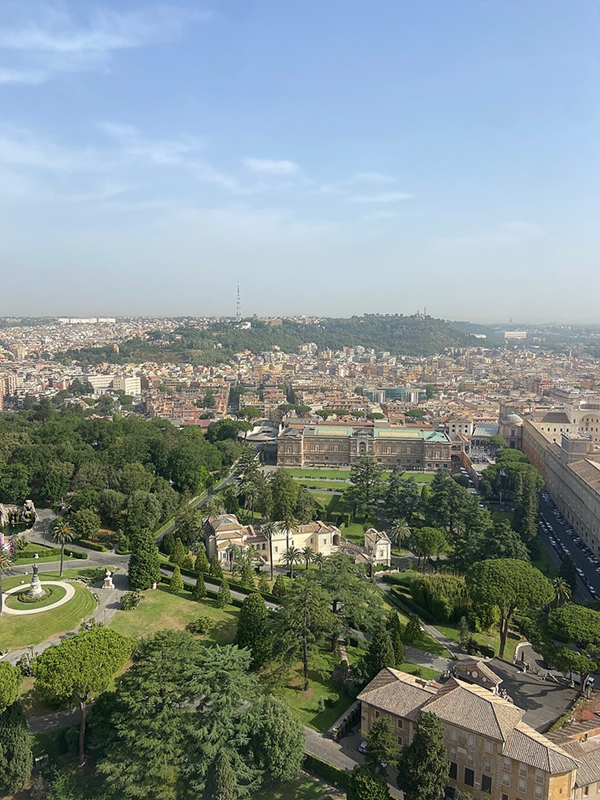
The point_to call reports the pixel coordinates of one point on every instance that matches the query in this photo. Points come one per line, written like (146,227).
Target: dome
(512,419)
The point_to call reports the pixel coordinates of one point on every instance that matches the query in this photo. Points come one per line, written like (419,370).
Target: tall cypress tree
(220,783)
(252,630)
(144,563)
(380,652)
(395,630)
(202,564)
(423,765)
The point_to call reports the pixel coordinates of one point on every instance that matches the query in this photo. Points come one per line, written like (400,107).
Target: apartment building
(342,445)
(492,753)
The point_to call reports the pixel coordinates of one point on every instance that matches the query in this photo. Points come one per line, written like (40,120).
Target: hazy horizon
(334,158)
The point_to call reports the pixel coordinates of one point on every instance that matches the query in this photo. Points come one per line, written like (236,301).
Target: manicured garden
(159,610)
(21,631)
(21,602)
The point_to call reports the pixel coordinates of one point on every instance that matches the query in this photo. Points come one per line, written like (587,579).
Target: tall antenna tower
(238,307)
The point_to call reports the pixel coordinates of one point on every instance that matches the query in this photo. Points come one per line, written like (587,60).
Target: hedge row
(28,553)
(408,605)
(212,579)
(91,545)
(327,772)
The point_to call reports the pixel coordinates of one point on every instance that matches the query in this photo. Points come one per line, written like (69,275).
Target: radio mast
(238,307)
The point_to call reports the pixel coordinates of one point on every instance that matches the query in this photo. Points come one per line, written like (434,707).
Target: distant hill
(414,335)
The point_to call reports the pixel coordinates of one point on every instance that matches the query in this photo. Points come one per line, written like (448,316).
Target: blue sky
(335,157)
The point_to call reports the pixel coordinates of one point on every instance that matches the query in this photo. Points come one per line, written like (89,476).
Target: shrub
(224,595)
(201,625)
(131,600)
(100,548)
(445,597)
(176,582)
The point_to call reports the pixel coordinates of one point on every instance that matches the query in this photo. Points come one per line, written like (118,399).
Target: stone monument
(108,581)
(36,590)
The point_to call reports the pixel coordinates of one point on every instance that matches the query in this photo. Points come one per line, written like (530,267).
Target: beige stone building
(225,530)
(342,445)
(491,751)
(571,470)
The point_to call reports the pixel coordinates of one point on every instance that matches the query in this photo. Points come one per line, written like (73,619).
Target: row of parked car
(562,550)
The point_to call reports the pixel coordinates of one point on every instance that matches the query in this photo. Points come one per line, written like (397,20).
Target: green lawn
(55,593)
(304,704)
(344,474)
(423,672)
(159,610)
(451,631)
(21,631)
(303,788)
(28,558)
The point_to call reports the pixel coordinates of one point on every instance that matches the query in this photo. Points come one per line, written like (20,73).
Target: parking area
(544,701)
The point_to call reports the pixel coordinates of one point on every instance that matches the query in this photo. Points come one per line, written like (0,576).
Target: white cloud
(270,167)
(60,42)
(380,197)
(345,187)
(134,145)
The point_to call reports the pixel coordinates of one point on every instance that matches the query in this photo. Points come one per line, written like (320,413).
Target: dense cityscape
(393,557)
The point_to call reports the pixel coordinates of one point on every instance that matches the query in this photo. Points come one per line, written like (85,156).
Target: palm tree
(250,494)
(269,529)
(399,531)
(291,557)
(287,524)
(62,532)
(562,590)
(307,555)
(4,566)
(213,506)
(319,558)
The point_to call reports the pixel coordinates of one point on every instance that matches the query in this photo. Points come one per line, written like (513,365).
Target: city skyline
(334,160)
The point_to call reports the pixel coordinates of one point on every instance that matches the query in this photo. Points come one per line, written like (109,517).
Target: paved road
(579,559)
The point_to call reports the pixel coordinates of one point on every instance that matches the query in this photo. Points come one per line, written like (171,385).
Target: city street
(579,558)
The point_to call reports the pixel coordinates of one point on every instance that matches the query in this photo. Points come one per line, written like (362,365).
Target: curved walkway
(69,593)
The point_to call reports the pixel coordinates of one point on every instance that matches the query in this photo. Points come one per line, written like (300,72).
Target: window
(470,737)
(486,784)
(506,779)
(400,741)
(523,770)
(489,746)
(504,797)
(400,723)
(487,766)
(538,791)
(453,770)
(469,777)
(522,785)
(470,758)
(453,734)
(453,752)
(377,715)
(507,764)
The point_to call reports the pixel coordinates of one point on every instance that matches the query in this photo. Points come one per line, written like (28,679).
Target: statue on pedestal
(36,590)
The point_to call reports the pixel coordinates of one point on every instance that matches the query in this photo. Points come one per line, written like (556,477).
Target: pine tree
(224,595)
(176,582)
(252,630)
(202,564)
(366,785)
(215,567)
(178,553)
(425,498)
(199,591)
(220,782)
(423,765)
(188,563)
(380,652)
(398,648)
(16,760)
(279,587)
(168,543)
